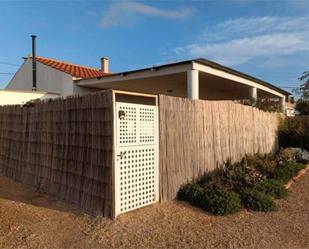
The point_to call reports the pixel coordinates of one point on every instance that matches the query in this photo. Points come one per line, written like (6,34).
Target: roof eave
(237,73)
(201,61)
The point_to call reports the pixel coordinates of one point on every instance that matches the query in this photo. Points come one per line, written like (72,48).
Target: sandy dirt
(32,220)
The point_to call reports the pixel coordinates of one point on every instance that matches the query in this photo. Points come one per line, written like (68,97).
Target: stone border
(295,178)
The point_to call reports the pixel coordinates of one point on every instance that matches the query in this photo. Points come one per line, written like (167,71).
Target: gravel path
(32,220)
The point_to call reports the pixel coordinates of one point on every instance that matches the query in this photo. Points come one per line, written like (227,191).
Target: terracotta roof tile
(76,71)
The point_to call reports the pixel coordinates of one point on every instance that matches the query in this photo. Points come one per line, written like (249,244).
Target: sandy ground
(32,220)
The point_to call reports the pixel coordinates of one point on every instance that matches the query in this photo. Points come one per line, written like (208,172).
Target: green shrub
(302,105)
(267,105)
(292,133)
(212,179)
(192,193)
(265,164)
(232,176)
(257,201)
(287,171)
(221,202)
(272,187)
(240,175)
(218,191)
(286,155)
(213,200)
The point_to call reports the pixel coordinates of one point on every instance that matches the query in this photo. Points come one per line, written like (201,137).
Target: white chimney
(104,65)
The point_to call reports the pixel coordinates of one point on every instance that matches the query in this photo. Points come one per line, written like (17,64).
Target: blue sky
(267,39)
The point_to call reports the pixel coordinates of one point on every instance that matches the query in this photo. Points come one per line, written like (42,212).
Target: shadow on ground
(20,193)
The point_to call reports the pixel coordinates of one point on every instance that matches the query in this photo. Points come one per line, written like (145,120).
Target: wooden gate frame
(137,98)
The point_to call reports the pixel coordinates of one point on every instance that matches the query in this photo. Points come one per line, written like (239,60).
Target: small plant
(192,193)
(302,106)
(252,182)
(213,200)
(212,179)
(287,155)
(221,202)
(240,175)
(266,105)
(257,201)
(292,133)
(287,171)
(264,164)
(231,176)
(272,187)
(32,103)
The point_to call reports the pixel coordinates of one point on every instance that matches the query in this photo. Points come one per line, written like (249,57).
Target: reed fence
(64,148)
(197,136)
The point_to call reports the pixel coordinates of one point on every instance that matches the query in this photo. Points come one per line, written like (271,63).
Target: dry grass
(33,220)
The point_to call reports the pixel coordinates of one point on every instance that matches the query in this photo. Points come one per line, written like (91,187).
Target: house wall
(11,97)
(64,148)
(48,80)
(197,136)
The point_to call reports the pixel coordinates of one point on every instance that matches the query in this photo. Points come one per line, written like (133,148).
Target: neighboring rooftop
(76,71)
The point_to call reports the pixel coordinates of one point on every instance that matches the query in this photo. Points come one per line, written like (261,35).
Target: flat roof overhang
(172,77)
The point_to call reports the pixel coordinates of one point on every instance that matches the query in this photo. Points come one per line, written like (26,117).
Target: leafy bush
(221,202)
(302,106)
(248,182)
(215,201)
(287,171)
(266,105)
(265,164)
(286,155)
(213,179)
(292,133)
(272,187)
(231,176)
(257,201)
(192,193)
(242,175)
(293,155)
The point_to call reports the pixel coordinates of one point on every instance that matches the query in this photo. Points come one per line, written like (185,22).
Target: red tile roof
(76,71)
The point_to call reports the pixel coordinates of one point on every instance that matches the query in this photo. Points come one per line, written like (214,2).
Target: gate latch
(121,155)
(121,114)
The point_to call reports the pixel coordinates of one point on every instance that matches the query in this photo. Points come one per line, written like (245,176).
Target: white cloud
(254,26)
(127,12)
(238,41)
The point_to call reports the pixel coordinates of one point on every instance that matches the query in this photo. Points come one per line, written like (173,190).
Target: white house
(55,76)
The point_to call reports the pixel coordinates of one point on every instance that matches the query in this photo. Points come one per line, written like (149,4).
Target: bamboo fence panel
(62,147)
(198,136)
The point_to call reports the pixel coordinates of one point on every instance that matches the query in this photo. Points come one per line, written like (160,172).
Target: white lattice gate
(136,156)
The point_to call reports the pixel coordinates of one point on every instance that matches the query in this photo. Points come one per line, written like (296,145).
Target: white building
(196,79)
(20,97)
(55,76)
